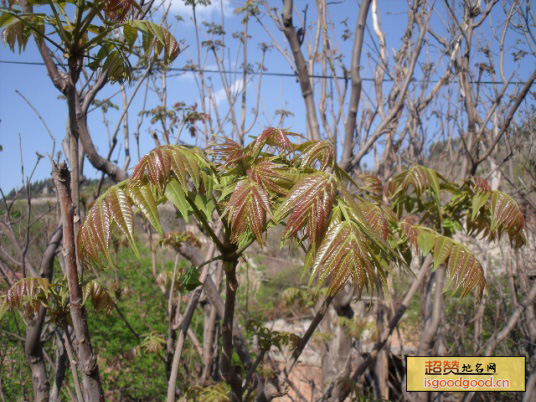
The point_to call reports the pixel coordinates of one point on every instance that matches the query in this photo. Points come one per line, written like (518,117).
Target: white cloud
(203,12)
(220,95)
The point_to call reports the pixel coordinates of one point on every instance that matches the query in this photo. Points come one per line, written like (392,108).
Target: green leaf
(409,204)
(157,37)
(451,224)
(479,200)
(421,179)
(176,195)
(3,307)
(190,280)
(131,34)
(228,189)
(434,184)
(95,29)
(115,62)
(19,30)
(143,197)
(442,248)
(205,205)
(7,19)
(426,241)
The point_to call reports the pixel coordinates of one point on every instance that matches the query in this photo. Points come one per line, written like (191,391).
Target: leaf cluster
(187,280)
(104,31)
(343,224)
(267,338)
(30,294)
(213,393)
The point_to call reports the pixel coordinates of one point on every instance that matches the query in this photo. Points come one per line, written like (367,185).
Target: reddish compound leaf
(318,151)
(481,184)
(463,269)
(99,296)
(228,153)
(408,229)
(117,10)
(121,210)
(27,293)
(376,218)
(269,176)
(343,254)
(143,198)
(309,206)
(507,216)
(371,184)
(27,287)
(157,165)
(94,235)
(247,208)
(273,136)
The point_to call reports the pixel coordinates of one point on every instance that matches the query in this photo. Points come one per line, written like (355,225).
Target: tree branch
(506,124)
(92,387)
(355,95)
(303,75)
(341,388)
(401,97)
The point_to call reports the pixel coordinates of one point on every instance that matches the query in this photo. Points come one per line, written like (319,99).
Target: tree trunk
(336,359)
(228,372)
(33,347)
(381,366)
(61,365)
(92,388)
(209,337)
(433,320)
(34,355)
(530,393)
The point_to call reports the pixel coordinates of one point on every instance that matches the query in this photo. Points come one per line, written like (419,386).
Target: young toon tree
(348,231)
(101,35)
(350,228)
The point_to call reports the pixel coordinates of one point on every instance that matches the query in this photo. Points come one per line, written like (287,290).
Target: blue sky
(17,118)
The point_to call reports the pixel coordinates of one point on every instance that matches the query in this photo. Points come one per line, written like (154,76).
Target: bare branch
(350,125)
(303,75)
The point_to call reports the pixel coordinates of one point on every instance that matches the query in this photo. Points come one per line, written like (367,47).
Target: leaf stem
(201,218)
(84,24)
(59,26)
(79,28)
